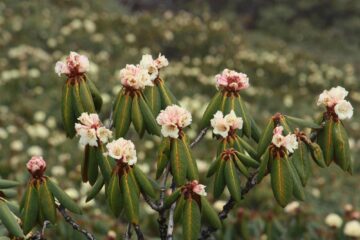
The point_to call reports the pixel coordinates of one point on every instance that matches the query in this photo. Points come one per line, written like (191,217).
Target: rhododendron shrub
(245,154)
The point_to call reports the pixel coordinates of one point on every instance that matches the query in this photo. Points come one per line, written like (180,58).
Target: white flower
(88,137)
(333,220)
(122,149)
(344,109)
(222,125)
(135,77)
(198,188)
(103,134)
(331,97)
(148,63)
(292,207)
(352,229)
(278,140)
(232,80)
(161,61)
(290,142)
(89,120)
(172,119)
(74,64)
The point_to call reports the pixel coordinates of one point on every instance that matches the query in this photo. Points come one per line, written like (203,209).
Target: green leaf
(301,123)
(192,170)
(242,111)
(230,105)
(248,148)
(179,209)
(85,164)
(76,100)
(8,220)
(106,163)
(266,137)
(223,145)
(93,165)
(122,115)
(281,181)
(284,123)
(63,198)
(191,220)
(255,130)
(174,196)
(326,142)
(67,111)
(263,168)
(47,202)
(247,160)
(135,185)
(8,184)
(30,210)
(211,109)
(114,194)
(317,154)
(232,180)
(86,98)
(240,165)
(150,123)
(214,166)
(96,188)
(301,161)
(209,214)
(153,98)
(167,98)
(144,183)
(341,145)
(130,198)
(178,162)
(219,181)
(298,189)
(96,95)
(136,116)
(162,159)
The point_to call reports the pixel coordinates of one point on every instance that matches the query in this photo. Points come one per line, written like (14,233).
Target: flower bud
(36,166)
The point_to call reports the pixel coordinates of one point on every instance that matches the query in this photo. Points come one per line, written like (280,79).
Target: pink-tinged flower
(148,63)
(36,166)
(122,149)
(161,61)
(135,77)
(289,141)
(91,131)
(75,64)
(330,98)
(344,109)
(231,80)
(223,125)
(198,188)
(172,119)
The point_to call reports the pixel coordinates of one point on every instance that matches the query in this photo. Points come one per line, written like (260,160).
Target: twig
(74,225)
(128,232)
(40,235)
(199,137)
(170,229)
(250,184)
(162,215)
(139,234)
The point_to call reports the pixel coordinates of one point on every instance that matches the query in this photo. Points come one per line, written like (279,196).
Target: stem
(139,234)
(40,235)
(162,215)
(170,229)
(199,137)
(128,232)
(74,225)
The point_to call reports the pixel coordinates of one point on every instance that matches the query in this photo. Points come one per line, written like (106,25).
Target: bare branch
(170,229)
(40,235)
(74,225)
(199,137)
(128,232)
(139,234)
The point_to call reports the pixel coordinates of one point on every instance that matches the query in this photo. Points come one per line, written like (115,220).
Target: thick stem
(170,229)
(128,232)
(139,234)
(199,137)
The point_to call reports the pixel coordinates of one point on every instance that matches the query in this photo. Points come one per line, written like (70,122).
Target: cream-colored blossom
(344,109)
(122,149)
(172,119)
(135,77)
(73,65)
(333,220)
(352,229)
(232,80)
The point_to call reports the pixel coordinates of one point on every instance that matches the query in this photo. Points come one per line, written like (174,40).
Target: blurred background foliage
(291,51)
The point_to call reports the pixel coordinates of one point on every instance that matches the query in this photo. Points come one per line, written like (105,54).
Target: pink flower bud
(198,188)
(75,64)
(36,166)
(231,80)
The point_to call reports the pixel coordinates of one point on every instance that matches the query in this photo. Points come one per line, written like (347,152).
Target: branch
(139,234)
(170,229)
(40,235)
(250,184)
(199,137)
(162,215)
(128,232)
(74,225)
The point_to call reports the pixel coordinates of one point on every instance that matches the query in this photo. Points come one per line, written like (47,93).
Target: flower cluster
(172,119)
(75,64)
(36,166)
(333,220)
(352,229)
(335,98)
(90,130)
(289,141)
(198,188)
(232,80)
(223,125)
(142,75)
(122,149)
